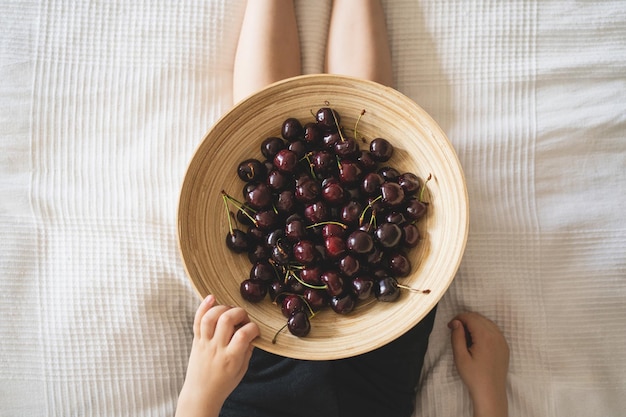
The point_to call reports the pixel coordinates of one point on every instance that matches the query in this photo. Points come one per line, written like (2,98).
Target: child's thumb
(459,342)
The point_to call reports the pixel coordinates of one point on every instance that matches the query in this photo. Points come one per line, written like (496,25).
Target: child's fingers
(210,320)
(205,305)
(241,340)
(228,323)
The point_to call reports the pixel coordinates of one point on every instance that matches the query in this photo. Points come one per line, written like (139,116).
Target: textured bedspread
(102,104)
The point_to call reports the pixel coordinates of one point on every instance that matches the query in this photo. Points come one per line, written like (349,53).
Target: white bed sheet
(102,104)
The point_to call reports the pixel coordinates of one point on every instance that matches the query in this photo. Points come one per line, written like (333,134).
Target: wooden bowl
(420,146)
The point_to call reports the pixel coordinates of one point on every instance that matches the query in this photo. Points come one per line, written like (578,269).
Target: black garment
(380,383)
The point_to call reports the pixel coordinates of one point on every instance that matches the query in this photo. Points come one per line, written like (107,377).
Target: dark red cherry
(398,264)
(411,235)
(324,163)
(295,229)
(251,170)
(343,304)
(333,229)
(389,235)
(362,286)
(276,289)
(415,209)
(409,182)
(334,193)
(396,217)
(347,148)
(366,161)
(389,174)
(333,281)
(386,289)
(371,183)
(328,118)
(281,252)
(253,290)
(311,274)
(237,241)
(299,324)
(304,252)
(258,195)
(299,147)
(313,134)
(286,161)
(270,147)
(351,212)
(381,149)
(266,220)
(286,202)
(292,129)
(279,181)
(349,172)
(330,139)
(335,247)
(258,253)
(308,191)
(349,265)
(290,304)
(316,212)
(392,194)
(360,242)
(263,271)
(317,299)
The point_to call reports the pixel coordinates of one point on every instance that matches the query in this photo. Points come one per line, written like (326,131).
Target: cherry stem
(230,223)
(421,196)
(242,207)
(328,222)
(369,206)
(277,333)
(307,157)
(338,127)
(306,284)
(356,136)
(406,287)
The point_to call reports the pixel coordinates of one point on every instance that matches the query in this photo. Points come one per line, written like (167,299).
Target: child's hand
(481,356)
(219,357)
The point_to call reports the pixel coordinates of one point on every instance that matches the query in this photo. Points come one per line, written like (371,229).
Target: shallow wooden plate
(420,146)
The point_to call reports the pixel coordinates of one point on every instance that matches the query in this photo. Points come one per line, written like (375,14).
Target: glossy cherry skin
(299,324)
(362,286)
(360,242)
(237,241)
(328,118)
(389,235)
(253,290)
(343,304)
(386,289)
(292,129)
(290,304)
(262,271)
(251,170)
(333,281)
(304,252)
(270,147)
(398,264)
(392,194)
(286,161)
(381,149)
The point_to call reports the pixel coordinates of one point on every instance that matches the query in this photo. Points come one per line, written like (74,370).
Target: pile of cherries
(326,223)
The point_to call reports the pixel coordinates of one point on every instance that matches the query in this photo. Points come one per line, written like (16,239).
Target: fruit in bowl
(232,157)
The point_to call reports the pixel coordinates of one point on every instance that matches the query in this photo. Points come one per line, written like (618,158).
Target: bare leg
(357,41)
(268,48)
